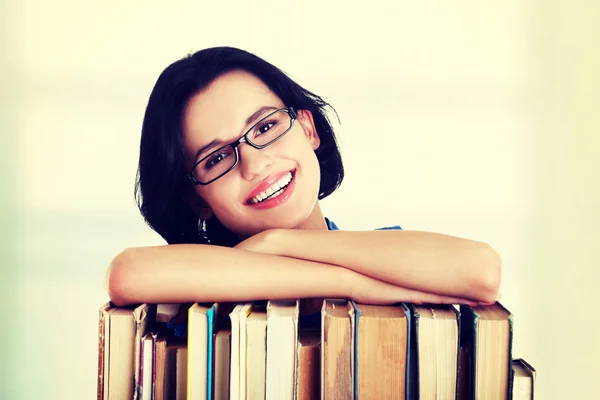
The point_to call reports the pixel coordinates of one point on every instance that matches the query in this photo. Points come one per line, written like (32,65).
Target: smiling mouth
(274,190)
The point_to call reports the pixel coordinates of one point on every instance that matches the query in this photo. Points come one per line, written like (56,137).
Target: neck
(315,220)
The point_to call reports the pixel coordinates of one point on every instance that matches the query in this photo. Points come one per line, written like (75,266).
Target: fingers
(424,298)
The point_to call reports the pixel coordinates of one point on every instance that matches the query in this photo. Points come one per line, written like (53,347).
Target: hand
(367,290)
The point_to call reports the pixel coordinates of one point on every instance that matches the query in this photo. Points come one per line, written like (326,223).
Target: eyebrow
(251,119)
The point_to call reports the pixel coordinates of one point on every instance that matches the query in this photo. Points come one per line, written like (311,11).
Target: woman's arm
(200,273)
(423,261)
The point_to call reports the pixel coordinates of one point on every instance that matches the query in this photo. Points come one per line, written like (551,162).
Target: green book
(486,352)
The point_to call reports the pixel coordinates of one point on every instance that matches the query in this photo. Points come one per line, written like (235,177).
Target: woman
(234,159)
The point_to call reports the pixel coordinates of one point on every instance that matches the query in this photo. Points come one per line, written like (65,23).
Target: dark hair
(161,180)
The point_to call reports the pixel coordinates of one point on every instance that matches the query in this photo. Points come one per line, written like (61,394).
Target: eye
(264,127)
(216,159)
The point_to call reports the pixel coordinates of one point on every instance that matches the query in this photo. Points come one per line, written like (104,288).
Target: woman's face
(219,113)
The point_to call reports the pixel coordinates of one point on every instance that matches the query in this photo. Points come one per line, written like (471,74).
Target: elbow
(489,274)
(118,279)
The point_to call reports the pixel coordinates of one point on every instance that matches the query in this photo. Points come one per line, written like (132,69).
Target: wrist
(347,282)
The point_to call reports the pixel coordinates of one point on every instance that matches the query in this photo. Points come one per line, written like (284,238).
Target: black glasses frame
(244,139)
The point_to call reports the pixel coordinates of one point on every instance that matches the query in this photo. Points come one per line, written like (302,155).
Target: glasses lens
(216,164)
(270,128)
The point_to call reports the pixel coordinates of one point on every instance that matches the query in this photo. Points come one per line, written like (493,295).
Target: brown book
(308,374)
(174,346)
(103,340)
(221,362)
(181,360)
(337,350)
(523,384)
(160,359)
(382,340)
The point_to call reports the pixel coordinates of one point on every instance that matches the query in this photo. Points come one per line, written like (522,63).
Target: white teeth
(274,188)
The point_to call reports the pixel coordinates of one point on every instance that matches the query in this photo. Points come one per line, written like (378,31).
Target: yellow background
(478,119)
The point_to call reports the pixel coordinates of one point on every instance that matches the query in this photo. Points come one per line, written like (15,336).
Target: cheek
(218,197)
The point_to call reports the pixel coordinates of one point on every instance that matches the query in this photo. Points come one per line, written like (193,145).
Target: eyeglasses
(262,134)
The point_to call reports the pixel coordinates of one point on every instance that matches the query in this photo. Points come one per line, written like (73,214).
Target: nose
(253,161)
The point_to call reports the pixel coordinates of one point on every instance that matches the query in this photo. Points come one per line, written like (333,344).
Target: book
(181,357)
(486,339)
(199,369)
(282,337)
(146,374)
(160,366)
(222,356)
(119,349)
(103,345)
(435,333)
(523,383)
(256,353)
(173,346)
(346,350)
(337,349)
(243,349)
(144,317)
(381,350)
(237,373)
(308,373)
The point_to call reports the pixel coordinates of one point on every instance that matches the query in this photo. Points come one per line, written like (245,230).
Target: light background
(476,119)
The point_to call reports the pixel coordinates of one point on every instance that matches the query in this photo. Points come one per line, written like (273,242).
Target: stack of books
(268,350)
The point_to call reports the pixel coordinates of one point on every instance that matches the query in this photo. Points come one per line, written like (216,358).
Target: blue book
(381,350)
(201,320)
(210,314)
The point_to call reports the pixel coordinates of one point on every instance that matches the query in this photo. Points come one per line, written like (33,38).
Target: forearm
(197,273)
(424,261)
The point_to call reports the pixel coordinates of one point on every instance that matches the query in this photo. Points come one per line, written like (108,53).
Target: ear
(198,205)
(305,118)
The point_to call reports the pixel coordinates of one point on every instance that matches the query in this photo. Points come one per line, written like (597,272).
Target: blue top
(333,227)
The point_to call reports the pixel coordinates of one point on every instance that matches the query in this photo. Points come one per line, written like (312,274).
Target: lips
(266,184)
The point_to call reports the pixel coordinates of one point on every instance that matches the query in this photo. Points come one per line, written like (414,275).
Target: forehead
(220,110)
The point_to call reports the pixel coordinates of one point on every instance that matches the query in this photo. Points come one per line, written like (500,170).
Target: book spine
(210,314)
(356,322)
(457,312)
(468,340)
(412,354)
